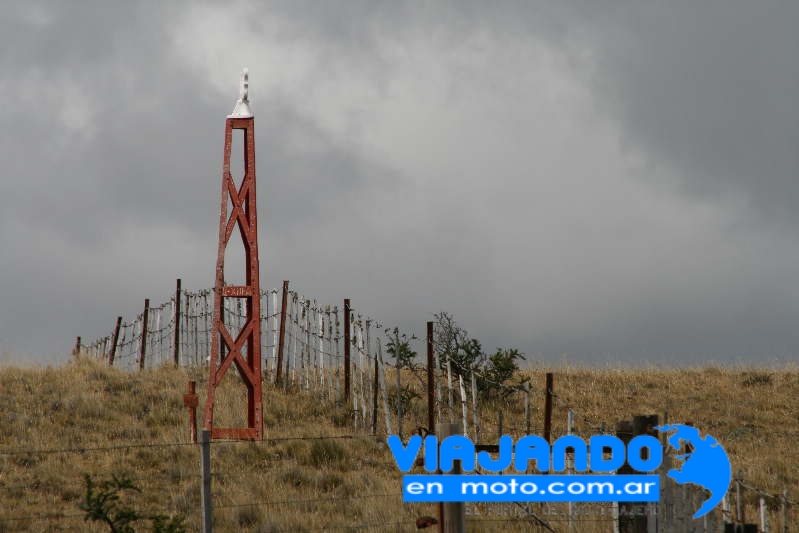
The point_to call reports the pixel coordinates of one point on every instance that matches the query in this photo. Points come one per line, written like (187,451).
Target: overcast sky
(600,181)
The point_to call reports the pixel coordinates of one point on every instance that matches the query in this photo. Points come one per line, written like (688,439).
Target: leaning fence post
(114,340)
(143,347)
(76,350)
(282,337)
(176,347)
(205,472)
(386,412)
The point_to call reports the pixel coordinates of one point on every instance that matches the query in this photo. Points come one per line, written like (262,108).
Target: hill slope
(59,424)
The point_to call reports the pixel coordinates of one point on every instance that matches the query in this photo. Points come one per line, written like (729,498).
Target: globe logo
(707,465)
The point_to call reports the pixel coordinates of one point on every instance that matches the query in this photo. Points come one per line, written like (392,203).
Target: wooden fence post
(76,350)
(450,401)
(375,392)
(464,409)
(190,401)
(548,408)
(454,519)
(499,427)
(176,346)
(386,412)
(282,337)
(399,384)
(205,472)
(475,414)
(570,464)
(143,348)
(347,352)
(431,416)
(527,414)
(631,520)
(114,341)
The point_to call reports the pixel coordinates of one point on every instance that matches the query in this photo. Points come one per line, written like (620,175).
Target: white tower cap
(242,109)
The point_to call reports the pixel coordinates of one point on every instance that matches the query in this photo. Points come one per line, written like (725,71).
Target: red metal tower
(225,349)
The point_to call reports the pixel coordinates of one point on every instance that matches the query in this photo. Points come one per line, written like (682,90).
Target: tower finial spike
(242,108)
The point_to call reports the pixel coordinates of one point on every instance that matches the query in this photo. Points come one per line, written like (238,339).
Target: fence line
(313,362)
(313,358)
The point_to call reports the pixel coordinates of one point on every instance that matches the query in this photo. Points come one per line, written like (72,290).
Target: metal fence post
(205,471)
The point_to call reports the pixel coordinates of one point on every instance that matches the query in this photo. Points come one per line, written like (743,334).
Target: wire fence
(313,362)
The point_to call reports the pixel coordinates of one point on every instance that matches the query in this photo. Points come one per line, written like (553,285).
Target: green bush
(103,503)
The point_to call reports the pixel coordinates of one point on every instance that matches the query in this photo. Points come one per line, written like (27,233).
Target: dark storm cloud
(415,157)
(709,87)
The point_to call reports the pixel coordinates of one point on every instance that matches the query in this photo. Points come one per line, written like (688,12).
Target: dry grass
(333,483)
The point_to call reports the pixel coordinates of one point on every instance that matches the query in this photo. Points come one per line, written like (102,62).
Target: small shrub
(248,516)
(326,452)
(26,460)
(342,417)
(329,481)
(295,477)
(293,448)
(754,379)
(103,503)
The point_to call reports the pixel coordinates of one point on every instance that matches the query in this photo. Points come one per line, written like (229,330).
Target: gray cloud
(710,89)
(603,181)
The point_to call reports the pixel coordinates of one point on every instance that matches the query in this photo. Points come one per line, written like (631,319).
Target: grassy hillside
(59,424)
